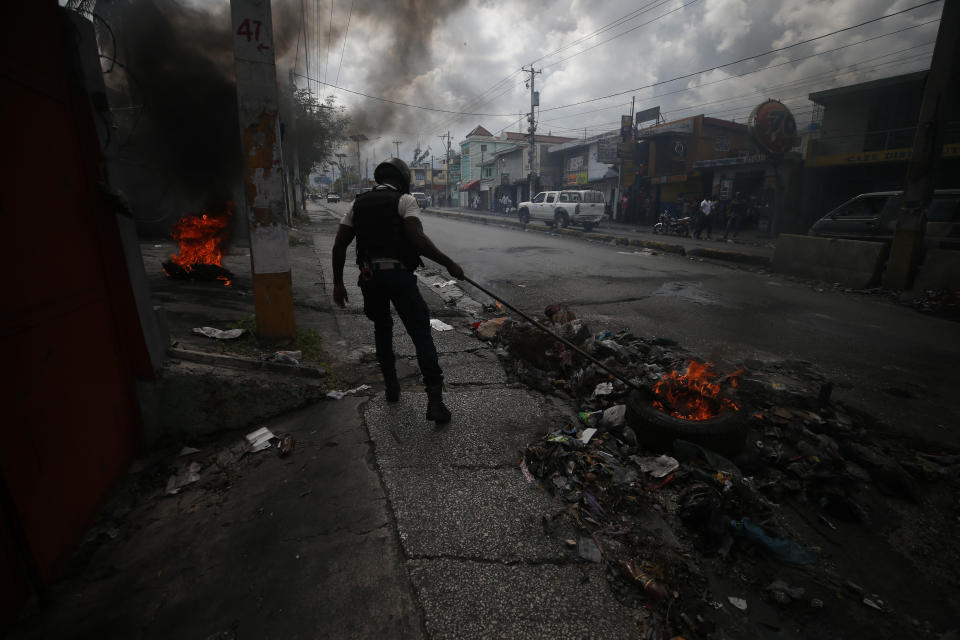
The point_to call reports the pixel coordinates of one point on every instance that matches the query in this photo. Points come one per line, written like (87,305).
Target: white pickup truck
(561,208)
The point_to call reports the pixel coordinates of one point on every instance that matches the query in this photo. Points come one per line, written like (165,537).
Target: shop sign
(682,177)
(607,151)
(773,127)
(872,157)
(680,126)
(577,177)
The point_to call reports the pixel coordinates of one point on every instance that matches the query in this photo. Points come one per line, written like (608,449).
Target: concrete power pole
(447,139)
(252,29)
(532,130)
(358,138)
(396,143)
(939,104)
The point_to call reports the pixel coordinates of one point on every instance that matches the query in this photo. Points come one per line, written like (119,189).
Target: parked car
(873,216)
(561,208)
(333,197)
(421,199)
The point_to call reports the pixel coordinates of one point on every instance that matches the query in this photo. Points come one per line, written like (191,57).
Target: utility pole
(532,129)
(256,72)
(358,138)
(396,144)
(940,98)
(447,139)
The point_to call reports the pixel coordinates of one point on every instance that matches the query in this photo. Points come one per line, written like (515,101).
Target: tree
(321,129)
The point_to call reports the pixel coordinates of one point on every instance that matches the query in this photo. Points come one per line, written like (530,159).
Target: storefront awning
(470,186)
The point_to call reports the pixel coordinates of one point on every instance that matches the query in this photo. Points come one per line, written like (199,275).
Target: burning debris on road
(711,496)
(202,239)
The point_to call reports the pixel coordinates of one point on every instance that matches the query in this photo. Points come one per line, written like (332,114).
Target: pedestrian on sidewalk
(706,209)
(736,211)
(390,241)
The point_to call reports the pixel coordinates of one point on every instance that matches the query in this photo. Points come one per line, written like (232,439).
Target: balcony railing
(879,140)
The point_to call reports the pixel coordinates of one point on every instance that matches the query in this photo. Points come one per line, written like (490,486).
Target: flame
(226,280)
(202,239)
(695,394)
(499,306)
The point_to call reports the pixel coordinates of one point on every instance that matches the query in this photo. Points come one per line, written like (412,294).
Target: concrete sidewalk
(377,525)
(749,247)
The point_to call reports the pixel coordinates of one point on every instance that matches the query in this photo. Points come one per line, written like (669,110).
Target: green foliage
(321,129)
(309,341)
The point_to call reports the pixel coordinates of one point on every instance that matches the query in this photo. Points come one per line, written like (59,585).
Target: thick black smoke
(176,106)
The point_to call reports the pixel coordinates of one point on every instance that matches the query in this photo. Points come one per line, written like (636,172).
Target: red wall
(69,332)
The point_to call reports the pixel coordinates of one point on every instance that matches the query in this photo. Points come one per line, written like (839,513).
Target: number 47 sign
(253,25)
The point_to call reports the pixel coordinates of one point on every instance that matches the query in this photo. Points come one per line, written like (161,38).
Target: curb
(656,245)
(240,362)
(730,256)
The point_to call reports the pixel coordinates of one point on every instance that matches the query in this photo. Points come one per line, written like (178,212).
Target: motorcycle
(668,224)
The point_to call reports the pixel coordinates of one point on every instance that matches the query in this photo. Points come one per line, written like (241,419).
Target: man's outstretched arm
(344,237)
(426,248)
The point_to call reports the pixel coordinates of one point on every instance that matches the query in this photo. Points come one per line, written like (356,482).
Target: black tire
(588,226)
(724,434)
(524,216)
(560,219)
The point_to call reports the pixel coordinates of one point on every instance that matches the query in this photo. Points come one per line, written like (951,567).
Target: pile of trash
(666,522)
(940,302)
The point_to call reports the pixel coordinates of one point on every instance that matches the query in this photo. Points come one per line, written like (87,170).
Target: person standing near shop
(390,241)
(735,213)
(706,209)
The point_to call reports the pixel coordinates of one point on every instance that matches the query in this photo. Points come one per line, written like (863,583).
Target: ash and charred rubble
(692,539)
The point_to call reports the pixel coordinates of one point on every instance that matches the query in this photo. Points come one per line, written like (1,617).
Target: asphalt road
(893,361)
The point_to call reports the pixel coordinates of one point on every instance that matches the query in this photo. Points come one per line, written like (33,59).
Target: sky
(427,67)
(467,57)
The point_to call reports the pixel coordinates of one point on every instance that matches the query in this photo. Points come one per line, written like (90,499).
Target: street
(892,361)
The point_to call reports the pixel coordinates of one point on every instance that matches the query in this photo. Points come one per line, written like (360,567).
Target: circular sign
(773,127)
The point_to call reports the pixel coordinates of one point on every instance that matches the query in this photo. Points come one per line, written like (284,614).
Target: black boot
(392,385)
(436,410)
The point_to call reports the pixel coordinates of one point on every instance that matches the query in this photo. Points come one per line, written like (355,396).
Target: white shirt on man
(406,207)
(706,206)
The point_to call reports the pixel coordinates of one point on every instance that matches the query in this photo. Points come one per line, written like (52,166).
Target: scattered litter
(179,480)
(590,418)
(286,446)
(441,285)
(658,466)
(587,434)
(739,603)
(781,549)
(526,471)
(603,389)
(219,334)
(187,451)
(286,357)
(489,329)
(588,550)
(260,439)
(338,395)
(614,417)
(874,604)
(439,325)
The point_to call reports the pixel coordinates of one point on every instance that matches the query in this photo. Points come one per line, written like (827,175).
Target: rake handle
(615,374)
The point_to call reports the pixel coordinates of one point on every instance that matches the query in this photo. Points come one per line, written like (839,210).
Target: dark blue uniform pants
(399,286)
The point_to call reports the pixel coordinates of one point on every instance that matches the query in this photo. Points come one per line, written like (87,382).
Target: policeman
(390,241)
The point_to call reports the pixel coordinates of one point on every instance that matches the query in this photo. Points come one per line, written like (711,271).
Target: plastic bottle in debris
(648,583)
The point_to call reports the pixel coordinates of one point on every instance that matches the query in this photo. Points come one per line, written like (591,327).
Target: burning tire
(694,405)
(655,429)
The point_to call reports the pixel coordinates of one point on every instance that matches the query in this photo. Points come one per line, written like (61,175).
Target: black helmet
(393,168)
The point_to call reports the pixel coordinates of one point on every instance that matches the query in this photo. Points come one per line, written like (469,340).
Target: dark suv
(873,216)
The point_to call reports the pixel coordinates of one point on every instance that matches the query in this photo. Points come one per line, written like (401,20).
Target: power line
(623,33)
(610,25)
(344,48)
(326,65)
(759,55)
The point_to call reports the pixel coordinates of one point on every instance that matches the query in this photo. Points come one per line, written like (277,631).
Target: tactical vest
(379,229)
